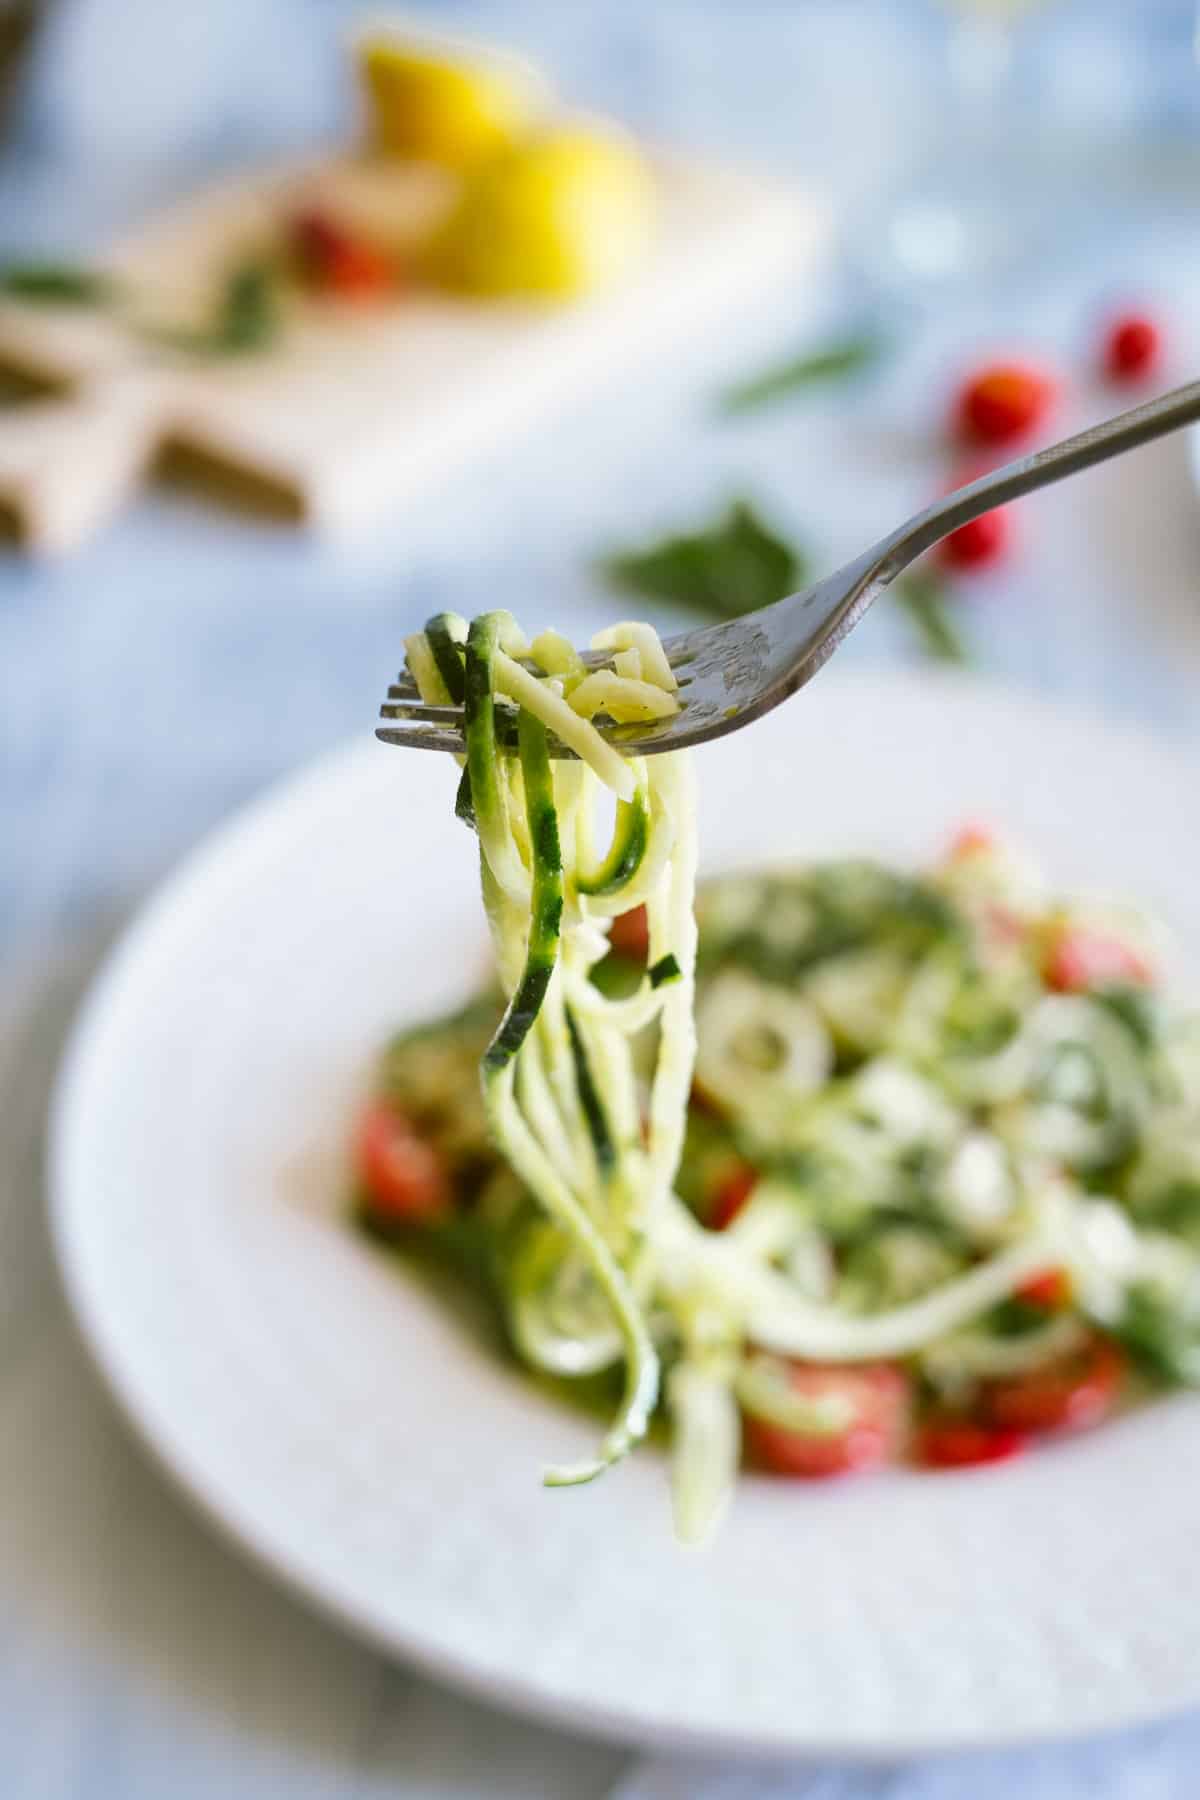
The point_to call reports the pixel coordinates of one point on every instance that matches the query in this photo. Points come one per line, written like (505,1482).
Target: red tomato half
(1051,1290)
(403,1175)
(876,1399)
(1067,1394)
(732,1194)
(952,1441)
(630,935)
(1080,959)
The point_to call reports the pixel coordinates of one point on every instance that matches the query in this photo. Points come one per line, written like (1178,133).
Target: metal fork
(733,673)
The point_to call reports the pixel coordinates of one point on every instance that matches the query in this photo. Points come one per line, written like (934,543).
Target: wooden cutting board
(358,408)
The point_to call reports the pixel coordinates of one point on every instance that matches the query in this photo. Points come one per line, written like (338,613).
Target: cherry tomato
(1050,1290)
(952,1441)
(971,839)
(1081,959)
(630,935)
(1065,1395)
(979,542)
(360,271)
(1132,348)
(402,1174)
(731,1195)
(876,1397)
(1003,403)
(315,238)
(336,260)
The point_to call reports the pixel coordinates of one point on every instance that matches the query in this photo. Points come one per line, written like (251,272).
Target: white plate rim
(242,833)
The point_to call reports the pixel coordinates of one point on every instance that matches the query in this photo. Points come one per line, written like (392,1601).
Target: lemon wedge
(435,101)
(558,214)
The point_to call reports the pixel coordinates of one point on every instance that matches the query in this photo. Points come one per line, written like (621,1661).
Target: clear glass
(976,207)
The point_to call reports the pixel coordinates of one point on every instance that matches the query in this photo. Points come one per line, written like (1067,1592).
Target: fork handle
(1095,445)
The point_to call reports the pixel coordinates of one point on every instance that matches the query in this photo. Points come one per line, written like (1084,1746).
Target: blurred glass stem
(979,55)
(974,211)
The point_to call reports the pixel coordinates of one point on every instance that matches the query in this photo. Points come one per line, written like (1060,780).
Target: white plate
(342,1425)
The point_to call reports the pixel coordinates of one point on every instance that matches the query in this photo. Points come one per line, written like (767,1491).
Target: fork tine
(591,659)
(416,708)
(405,688)
(413,724)
(421,737)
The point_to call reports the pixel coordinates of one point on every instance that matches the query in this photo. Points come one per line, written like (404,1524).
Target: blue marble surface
(186,658)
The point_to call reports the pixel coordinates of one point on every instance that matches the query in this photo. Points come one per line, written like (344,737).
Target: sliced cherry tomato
(979,542)
(953,1441)
(403,1175)
(1080,959)
(630,935)
(1003,403)
(875,1396)
(1051,1290)
(1067,1394)
(732,1194)
(1132,348)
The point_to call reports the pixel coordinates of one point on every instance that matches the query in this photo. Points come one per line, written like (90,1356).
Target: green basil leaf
(928,604)
(56,284)
(839,360)
(731,567)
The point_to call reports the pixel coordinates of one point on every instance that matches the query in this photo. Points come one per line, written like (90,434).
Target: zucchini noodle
(559,1087)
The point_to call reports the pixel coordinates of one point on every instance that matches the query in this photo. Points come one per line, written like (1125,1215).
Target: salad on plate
(821,1168)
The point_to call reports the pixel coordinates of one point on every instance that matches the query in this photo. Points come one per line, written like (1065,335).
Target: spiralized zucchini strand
(559,1084)
(547,897)
(641,1362)
(447,637)
(576,733)
(776,1317)
(489,788)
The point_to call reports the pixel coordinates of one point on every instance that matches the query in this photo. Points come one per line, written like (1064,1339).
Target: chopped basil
(665,969)
(248,314)
(1156,1336)
(246,318)
(1137,1008)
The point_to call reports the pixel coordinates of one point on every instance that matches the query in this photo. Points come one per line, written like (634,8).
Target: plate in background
(344,1427)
